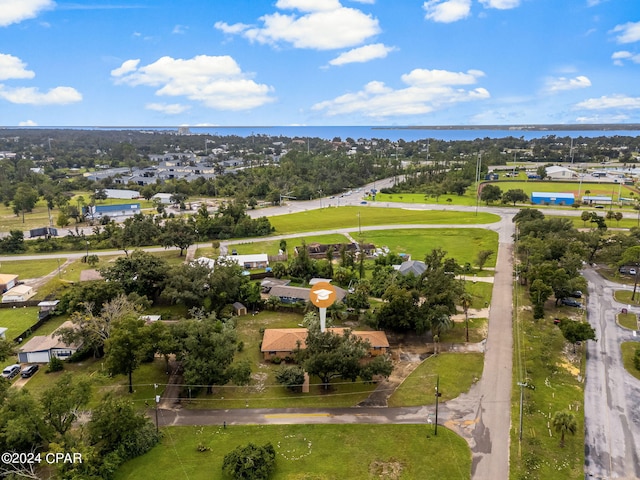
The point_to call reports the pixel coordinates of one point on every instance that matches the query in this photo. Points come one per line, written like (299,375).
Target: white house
(42,348)
(557,172)
(163,198)
(257,260)
(21,293)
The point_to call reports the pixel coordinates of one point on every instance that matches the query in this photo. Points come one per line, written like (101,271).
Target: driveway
(612,396)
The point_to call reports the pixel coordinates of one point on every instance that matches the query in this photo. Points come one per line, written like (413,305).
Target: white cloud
(27,123)
(167,108)
(362,54)
(447,11)
(180,29)
(611,101)
(426,91)
(215,81)
(628,32)
(32,96)
(500,4)
(13,67)
(619,56)
(326,25)
(559,84)
(15,11)
(126,67)
(368,2)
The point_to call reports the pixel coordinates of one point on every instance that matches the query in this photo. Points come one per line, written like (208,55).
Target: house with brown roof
(282,342)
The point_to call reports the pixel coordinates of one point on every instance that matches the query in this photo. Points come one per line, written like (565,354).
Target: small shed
(20,293)
(3,332)
(239,309)
(552,198)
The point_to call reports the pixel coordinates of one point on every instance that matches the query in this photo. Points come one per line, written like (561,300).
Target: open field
(604,189)
(311,452)
(461,244)
(628,350)
(17,320)
(347,217)
(481,293)
(457,371)
(30,268)
(543,360)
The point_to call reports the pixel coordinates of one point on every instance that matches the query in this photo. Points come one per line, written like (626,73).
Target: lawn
(481,293)
(17,320)
(347,217)
(93,369)
(461,244)
(271,247)
(311,452)
(554,384)
(457,371)
(628,320)
(628,352)
(30,268)
(603,189)
(624,296)
(458,334)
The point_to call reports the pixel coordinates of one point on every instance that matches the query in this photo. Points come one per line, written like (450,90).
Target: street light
(438,395)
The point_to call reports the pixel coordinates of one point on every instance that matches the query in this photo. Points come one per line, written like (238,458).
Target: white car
(632,271)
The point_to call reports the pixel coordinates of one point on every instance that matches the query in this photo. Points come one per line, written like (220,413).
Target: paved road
(612,396)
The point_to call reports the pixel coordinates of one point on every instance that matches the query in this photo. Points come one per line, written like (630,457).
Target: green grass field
(624,296)
(30,268)
(604,189)
(271,247)
(539,361)
(461,244)
(17,320)
(347,217)
(628,352)
(310,452)
(457,373)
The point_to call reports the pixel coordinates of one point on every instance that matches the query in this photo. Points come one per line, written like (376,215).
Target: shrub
(636,359)
(55,365)
(250,462)
(276,360)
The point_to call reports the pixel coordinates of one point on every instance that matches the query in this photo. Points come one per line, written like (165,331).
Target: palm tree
(564,422)
(465,303)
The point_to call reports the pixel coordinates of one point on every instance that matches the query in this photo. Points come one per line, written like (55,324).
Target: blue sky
(318,62)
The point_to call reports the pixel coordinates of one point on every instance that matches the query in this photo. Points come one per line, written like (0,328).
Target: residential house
(123,210)
(414,267)
(42,348)
(7,281)
(19,293)
(288,294)
(282,342)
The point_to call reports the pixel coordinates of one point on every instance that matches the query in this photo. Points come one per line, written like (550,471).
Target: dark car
(576,294)
(570,302)
(28,371)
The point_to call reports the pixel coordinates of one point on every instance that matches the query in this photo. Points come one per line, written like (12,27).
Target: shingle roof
(286,339)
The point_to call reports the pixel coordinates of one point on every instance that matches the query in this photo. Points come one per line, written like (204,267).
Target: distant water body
(421,133)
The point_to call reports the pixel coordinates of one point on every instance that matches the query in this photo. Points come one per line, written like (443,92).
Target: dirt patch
(391,470)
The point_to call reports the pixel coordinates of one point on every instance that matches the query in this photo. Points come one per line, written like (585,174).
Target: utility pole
(438,395)
(157,398)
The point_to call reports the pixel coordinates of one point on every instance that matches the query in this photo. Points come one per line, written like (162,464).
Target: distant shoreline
(533,128)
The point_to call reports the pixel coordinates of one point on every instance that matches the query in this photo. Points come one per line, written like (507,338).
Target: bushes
(636,359)
(250,462)
(55,365)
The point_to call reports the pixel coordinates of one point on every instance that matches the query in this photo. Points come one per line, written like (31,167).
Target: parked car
(11,371)
(599,206)
(28,371)
(632,271)
(363,203)
(576,294)
(570,302)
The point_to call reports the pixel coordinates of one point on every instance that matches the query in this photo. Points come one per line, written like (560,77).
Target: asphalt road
(612,396)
